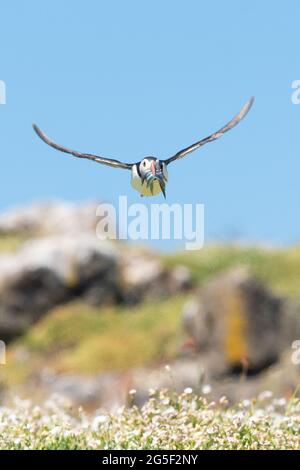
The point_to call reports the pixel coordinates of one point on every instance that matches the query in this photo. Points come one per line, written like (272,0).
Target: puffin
(149,176)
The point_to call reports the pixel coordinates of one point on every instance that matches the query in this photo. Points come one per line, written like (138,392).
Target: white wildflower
(98,421)
(206,389)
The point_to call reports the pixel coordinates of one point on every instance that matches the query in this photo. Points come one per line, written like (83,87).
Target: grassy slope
(84,339)
(278,268)
(10,243)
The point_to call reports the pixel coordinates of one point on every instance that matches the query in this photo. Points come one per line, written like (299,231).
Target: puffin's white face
(146,165)
(153,176)
(153,169)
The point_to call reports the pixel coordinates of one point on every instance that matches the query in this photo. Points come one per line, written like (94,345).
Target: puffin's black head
(152,169)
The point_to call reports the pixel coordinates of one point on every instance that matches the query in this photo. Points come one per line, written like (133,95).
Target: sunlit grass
(278,268)
(85,339)
(10,243)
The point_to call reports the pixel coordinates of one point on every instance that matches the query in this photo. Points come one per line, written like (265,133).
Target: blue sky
(128,79)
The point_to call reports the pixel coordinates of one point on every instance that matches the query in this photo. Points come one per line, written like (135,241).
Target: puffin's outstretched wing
(96,158)
(214,136)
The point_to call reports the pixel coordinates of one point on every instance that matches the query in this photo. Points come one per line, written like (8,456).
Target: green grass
(88,340)
(10,243)
(278,268)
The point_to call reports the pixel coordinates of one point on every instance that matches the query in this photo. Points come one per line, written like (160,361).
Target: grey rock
(53,270)
(108,389)
(50,218)
(144,276)
(240,323)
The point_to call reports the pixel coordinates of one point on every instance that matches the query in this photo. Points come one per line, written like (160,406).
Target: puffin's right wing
(89,156)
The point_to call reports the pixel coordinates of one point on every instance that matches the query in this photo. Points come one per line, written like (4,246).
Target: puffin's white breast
(136,183)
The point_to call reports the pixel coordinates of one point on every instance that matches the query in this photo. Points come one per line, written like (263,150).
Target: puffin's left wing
(89,156)
(214,136)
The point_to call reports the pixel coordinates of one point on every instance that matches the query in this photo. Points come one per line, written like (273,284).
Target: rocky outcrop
(237,324)
(280,380)
(144,276)
(65,260)
(49,271)
(50,218)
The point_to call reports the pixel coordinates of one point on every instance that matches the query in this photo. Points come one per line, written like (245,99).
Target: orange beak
(153,169)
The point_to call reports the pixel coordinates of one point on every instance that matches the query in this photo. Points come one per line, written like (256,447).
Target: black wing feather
(104,161)
(214,136)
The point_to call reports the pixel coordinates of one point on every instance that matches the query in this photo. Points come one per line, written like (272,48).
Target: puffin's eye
(144,163)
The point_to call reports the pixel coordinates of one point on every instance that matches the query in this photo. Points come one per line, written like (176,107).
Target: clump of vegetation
(166,421)
(278,268)
(10,243)
(87,340)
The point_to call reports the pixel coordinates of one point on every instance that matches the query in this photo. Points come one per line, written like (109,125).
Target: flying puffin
(150,175)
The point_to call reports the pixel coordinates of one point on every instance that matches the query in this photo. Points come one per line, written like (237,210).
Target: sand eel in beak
(149,176)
